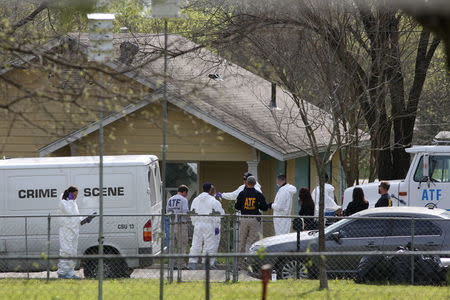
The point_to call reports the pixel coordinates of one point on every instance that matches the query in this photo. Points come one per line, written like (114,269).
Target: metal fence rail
(361,248)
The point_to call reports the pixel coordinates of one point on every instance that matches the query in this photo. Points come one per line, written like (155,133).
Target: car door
(428,235)
(358,235)
(434,192)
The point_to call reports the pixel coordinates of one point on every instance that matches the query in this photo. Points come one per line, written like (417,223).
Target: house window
(178,173)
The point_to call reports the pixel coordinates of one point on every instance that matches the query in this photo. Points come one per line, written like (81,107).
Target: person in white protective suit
(331,208)
(69,231)
(233,195)
(217,220)
(282,205)
(204,227)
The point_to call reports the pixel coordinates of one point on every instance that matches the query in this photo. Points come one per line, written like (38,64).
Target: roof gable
(238,104)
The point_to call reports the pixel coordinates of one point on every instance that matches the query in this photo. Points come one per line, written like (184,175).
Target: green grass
(149,289)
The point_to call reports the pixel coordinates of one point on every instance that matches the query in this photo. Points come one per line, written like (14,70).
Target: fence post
(26,243)
(207,259)
(412,251)
(161,261)
(235,247)
(228,248)
(171,245)
(297,271)
(180,249)
(48,246)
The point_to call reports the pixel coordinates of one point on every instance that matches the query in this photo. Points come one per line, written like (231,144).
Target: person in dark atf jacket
(249,202)
(307,207)
(385,199)
(358,202)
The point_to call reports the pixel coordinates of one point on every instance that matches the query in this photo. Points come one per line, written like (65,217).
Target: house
(221,122)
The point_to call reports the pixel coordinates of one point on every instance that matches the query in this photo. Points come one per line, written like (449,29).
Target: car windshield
(338,224)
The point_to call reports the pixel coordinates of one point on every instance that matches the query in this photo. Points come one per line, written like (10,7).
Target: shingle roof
(237,104)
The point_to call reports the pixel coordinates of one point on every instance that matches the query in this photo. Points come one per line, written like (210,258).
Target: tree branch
(30,17)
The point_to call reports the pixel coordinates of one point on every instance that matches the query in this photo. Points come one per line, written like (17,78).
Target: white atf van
(427,182)
(32,187)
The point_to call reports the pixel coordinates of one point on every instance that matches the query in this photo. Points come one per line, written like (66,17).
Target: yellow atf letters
(250,203)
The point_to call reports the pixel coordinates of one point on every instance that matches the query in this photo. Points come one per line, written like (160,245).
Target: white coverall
(204,227)
(217,232)
(68,236)
(282,206)
(330,204)
(235,194)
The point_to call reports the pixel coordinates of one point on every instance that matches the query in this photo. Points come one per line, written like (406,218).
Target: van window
(439,169)
(186,173)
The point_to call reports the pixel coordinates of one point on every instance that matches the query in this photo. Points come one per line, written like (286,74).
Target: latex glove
(219,196)
(89,219)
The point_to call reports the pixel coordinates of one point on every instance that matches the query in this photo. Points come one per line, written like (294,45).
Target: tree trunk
(322,266)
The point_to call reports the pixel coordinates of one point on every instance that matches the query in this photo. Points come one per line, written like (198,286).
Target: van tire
(112,268)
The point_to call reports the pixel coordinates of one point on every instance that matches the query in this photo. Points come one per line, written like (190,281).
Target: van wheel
(112,268)
(287,269)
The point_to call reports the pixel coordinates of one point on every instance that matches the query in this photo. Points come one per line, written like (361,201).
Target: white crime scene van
(30,191)
(427,182)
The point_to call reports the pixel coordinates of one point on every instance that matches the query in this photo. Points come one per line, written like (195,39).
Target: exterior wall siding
(41,120)
(225,176)
(188,138)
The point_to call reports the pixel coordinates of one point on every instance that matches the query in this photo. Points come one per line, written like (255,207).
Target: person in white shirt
(204,227)
(330,204)
(233,195)
(217,221)
(282,205)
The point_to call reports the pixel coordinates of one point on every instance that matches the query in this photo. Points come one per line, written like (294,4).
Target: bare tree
(374,47)
(358,53)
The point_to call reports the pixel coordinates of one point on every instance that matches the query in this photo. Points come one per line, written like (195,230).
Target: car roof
(404,210)
(76,161)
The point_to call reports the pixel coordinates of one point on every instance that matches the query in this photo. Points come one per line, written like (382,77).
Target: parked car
(362,232)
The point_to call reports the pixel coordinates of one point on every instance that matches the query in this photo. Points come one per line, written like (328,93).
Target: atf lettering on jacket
(250,203)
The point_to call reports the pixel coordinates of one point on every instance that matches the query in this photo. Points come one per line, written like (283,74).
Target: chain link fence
(382,250)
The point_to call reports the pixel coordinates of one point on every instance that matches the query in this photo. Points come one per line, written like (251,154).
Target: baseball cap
(247,174)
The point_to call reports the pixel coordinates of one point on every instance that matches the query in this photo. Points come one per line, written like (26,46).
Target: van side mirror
(426,165)
(336,236)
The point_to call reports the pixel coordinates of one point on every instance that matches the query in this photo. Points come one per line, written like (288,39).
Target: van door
(436,191)
(31,192)
(119,198)
(155,192)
